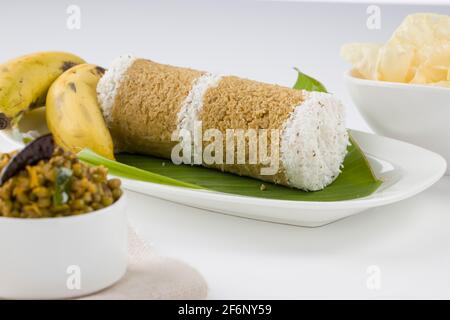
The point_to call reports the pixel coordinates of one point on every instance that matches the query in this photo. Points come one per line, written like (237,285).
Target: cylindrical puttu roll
(144,103)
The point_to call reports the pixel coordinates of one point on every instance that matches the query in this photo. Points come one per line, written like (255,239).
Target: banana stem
(4,121)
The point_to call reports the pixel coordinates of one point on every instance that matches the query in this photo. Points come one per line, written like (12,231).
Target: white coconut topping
(314,142)
(109,84)
(193,103)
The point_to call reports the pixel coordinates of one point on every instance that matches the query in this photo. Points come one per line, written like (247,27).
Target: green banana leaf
(355,181)
(305,82)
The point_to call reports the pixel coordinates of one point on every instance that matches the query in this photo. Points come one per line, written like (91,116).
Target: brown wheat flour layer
(146,106)
(144,103)
(245,104)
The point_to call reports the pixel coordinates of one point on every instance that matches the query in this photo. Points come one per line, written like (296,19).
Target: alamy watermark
(373,281)
(73,281)
(373,21)
(73,21)
(237,146)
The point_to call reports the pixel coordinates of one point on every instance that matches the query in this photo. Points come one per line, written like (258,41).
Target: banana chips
(418,52)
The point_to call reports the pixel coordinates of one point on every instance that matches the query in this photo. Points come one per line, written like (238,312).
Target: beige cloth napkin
(151,276)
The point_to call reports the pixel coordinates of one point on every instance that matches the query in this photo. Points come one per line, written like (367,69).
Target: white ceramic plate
(405,169)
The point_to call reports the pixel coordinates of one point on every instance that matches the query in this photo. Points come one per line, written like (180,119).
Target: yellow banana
(73,113)
(24,81)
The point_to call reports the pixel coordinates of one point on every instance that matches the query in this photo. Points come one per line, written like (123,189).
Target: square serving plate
(405,170)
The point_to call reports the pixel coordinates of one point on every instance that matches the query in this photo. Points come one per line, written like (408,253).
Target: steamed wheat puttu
(144,103)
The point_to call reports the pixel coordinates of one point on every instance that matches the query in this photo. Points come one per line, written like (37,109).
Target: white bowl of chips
(402,87)
(418,114)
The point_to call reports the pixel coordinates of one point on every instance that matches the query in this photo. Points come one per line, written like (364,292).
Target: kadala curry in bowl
(57,185)
(63,228)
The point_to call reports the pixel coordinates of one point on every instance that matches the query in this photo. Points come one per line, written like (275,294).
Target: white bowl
(418,114)
(56,258)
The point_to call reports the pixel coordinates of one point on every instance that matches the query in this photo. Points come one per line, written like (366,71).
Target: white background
(261,40)
(409,241)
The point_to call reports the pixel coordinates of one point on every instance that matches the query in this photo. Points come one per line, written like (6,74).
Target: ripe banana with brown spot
(73,112)
(24,81)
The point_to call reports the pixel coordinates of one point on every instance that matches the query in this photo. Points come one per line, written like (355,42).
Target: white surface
(247,259)
(418,114)
(408,243)
(39,256)
(405,169)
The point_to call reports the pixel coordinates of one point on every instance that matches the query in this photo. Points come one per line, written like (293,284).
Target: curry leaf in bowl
(62,186)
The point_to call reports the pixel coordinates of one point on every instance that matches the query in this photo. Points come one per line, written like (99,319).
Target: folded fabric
(151,276)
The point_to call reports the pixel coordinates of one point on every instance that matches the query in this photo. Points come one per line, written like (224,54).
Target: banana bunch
(67,85)
(24,81)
